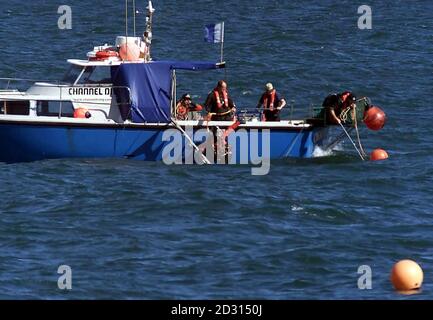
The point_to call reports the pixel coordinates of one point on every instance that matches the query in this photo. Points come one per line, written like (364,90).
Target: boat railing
(9,81)
(63,85)
(289,112)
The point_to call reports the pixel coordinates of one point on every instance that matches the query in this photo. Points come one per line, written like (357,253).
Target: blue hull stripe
(30,142)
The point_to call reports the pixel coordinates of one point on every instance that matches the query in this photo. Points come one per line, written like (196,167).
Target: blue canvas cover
(149,97)
(150,88)
(193,65)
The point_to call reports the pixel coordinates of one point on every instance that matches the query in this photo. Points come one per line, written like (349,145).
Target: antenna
(126,24)
(147,35)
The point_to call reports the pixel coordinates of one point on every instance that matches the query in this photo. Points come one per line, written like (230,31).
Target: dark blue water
(133,230)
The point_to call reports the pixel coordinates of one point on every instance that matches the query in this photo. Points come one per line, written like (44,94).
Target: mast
(126,18)
(126,25)
(147,35)
(135,13)
(222,42)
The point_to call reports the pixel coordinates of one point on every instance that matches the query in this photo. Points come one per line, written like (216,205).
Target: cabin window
(52,108)
(15,107)
(72,74)
(96,75)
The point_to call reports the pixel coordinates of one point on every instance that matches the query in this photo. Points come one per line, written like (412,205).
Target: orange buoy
(82,113)
(129,52)
(407,275)
(374,118)
(378,154)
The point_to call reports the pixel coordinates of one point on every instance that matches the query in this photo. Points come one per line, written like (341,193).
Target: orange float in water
(407,275)
(82,113)
(374,118)
(129,52)
(378,154)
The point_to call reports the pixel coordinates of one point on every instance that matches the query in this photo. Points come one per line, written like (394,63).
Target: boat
(120,103)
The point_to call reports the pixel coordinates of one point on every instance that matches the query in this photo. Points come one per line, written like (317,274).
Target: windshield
(72,74)
(96,75)
(91,75)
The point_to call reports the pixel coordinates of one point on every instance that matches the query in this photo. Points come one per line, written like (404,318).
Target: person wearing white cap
(271,102)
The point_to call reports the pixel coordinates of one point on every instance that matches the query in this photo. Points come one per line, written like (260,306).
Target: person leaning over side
(219,105)
(271,102)
(335,104)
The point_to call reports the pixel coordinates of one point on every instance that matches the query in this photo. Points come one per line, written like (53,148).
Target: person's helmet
(269,87)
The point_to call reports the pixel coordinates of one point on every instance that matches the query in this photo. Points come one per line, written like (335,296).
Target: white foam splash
(320,153)
(338,147)
(296,208)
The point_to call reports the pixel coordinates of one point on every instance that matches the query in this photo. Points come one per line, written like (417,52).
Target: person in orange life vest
(272,104)
(219,105)
(185,105)
(335,104)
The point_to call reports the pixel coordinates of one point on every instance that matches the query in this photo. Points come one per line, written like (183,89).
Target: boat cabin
(110,89)
(87,84)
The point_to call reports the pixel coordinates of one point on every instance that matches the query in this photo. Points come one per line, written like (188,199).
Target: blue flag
(214,33)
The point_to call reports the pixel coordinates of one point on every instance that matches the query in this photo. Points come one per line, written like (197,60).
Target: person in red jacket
(272,104)
(219,104)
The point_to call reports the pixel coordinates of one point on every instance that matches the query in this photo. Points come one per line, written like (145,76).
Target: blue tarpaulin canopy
(193,65)
(150,87)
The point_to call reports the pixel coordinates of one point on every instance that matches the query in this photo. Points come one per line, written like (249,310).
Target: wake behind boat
(119,103)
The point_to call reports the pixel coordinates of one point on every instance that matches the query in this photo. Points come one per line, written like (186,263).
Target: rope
(344,129)
(219,114)
(205,160)
(337,140)
(357,134)
(344,117)
(344,113)
(211,114)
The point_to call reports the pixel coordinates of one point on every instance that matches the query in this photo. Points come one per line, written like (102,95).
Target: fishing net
(361,105)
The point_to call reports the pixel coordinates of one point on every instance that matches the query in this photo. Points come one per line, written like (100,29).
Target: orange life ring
(105,54)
